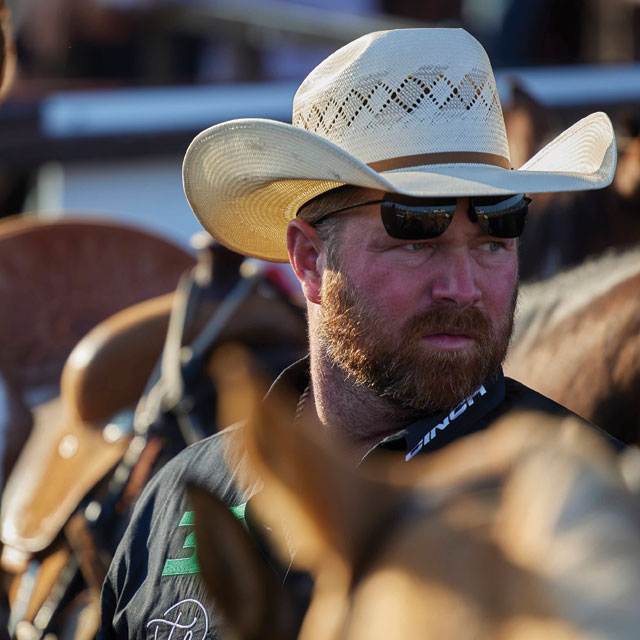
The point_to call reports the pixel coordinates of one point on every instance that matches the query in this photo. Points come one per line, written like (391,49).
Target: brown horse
(577,336)
(526,530)
(577,340)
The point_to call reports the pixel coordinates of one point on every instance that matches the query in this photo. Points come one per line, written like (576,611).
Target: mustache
(471,321)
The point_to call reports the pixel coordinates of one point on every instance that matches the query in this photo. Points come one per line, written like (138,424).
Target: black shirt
(153,589)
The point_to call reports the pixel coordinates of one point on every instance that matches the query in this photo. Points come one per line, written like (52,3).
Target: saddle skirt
(77,437)
(58,280)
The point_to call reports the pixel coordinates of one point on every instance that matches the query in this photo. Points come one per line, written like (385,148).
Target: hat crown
(405,92)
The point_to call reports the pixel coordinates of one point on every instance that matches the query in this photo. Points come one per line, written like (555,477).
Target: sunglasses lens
(406,222)
(497,216)
(502,218)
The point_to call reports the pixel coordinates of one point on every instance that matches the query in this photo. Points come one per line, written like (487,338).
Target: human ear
(305,248)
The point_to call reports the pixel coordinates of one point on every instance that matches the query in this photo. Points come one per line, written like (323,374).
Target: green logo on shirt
(184,566)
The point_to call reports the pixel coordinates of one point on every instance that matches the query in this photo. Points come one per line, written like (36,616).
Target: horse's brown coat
(589,360)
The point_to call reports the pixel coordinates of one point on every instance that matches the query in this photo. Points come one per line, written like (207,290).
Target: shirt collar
(424,434)
(427,433)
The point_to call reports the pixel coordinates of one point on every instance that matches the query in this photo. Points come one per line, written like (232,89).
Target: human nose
(455,282)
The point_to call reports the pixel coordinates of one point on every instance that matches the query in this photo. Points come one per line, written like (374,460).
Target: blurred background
(107,94)
(99,102)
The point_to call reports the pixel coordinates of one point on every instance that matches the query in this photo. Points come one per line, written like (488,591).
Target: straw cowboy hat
(411,111)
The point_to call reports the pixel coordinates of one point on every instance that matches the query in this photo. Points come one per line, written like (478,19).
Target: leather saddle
(58,280)
(131,397)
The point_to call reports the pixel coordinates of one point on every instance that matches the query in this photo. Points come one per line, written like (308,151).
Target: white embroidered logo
(186,620)
(456,413)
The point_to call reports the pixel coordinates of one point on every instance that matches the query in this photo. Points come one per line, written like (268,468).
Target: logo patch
(456,413)
(184,566)
(189,565)
(186,620)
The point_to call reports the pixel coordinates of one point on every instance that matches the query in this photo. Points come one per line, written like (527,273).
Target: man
(394,200)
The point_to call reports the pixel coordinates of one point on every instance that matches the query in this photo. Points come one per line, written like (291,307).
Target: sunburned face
(421,323)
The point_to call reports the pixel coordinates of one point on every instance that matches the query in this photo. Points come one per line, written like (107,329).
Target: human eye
(413,247)
(493,246)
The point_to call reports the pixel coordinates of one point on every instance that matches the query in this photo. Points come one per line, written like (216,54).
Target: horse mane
(544,305)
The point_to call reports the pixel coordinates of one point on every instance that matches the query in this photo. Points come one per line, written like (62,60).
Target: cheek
(392,295)
(498,291)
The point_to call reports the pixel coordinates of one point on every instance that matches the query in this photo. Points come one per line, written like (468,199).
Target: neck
(352,414)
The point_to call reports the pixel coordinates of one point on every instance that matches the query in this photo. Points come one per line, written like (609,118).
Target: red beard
(399,367)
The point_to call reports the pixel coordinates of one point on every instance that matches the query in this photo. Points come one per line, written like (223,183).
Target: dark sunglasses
(412,219)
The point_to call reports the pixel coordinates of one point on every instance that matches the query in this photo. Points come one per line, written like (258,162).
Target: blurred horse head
(524,530)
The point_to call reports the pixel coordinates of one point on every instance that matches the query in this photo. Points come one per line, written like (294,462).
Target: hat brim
(246,179)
